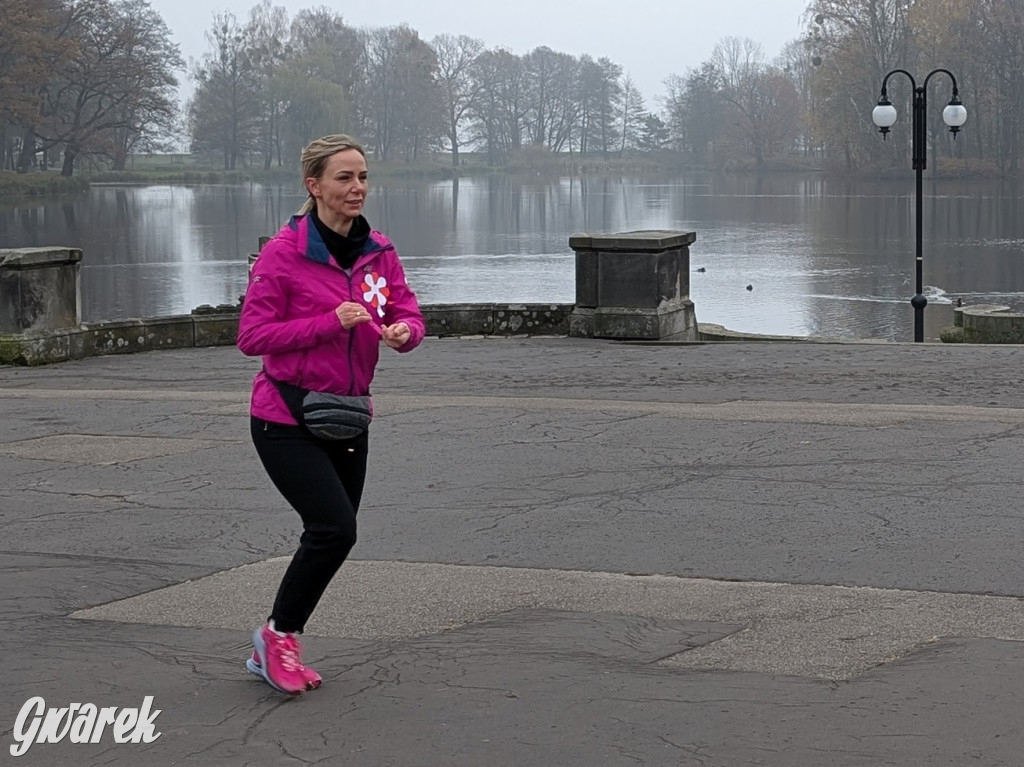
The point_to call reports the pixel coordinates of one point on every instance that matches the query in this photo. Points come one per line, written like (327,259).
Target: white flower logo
(375,291)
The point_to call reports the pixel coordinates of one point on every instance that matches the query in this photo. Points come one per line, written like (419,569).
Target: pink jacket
(288,315)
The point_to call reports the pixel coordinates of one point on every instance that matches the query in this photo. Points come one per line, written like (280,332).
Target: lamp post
(884,116)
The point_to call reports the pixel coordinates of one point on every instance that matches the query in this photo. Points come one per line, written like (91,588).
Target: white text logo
(82,723)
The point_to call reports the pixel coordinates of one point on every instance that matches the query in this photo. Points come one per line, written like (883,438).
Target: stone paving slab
(828,632)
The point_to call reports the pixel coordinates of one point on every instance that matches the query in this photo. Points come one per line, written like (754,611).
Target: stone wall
(497,319)
(633,285)
(218,326)
(989,324)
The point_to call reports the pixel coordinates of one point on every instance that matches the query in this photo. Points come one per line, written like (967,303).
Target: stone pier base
(634,285)
(39,289)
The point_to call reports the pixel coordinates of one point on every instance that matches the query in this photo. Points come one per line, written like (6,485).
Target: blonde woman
(324,294)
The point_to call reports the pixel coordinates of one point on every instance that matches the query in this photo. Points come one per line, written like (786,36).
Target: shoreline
(35,184)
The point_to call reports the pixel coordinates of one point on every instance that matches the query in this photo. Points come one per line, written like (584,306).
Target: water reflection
(823,256)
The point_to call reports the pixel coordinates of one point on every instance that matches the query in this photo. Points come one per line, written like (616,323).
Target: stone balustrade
(629,286)
(633,285)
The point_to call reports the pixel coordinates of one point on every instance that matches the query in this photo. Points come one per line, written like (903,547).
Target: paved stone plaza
(571,553)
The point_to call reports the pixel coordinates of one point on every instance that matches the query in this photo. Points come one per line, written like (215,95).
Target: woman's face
(341,189)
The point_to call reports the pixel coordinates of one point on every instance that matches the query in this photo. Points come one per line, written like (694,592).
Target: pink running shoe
(255,666)
(281,666)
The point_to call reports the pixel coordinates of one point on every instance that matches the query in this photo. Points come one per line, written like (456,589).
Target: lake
(825,257)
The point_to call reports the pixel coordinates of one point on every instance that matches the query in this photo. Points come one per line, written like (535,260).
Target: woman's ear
(313,187)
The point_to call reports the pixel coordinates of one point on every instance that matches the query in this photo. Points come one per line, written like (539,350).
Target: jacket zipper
(351,340)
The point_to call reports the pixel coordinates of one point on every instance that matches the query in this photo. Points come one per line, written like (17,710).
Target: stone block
(10,349)
(631,280)
(170,332)
(633,242)
(992,324)
(678,322)
(113,337)
(37,348)
(459,319)
(674,277)
(532,319)
(586,279)
(954,334)
(39,289)
(217,328)
(253,256)
(581,323)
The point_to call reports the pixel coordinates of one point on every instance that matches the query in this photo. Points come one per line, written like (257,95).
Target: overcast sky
(650,39)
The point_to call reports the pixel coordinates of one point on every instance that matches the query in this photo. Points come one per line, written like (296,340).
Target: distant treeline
(92,81)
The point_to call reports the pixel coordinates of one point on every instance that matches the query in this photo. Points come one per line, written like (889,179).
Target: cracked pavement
(571,553)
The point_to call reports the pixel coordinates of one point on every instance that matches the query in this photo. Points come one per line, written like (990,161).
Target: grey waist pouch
(326,416)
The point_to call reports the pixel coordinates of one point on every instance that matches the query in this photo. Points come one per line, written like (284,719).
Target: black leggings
(323,481)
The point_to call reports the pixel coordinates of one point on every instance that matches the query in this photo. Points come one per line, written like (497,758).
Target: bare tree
(225,110)
(327,59)
(550,82)
(266,39)
(634,113)
(796,61)
(498,108)
(118,85)
(853,44)
(405,115)
(589,88)
(600,93)
(764,103)
(455,57)
(992,60)
(31,42)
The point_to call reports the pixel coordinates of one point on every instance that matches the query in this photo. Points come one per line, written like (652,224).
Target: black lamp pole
(920,154)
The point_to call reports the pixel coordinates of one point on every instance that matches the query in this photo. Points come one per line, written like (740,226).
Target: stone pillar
(634,285)
(252,256)
(40,289)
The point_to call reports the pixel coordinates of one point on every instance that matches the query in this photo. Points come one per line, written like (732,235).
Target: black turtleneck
(344,249)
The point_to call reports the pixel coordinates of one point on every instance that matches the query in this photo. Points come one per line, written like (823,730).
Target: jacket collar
(315,249)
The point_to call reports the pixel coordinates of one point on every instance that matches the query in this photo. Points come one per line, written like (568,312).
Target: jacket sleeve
(402,306)
(262,328)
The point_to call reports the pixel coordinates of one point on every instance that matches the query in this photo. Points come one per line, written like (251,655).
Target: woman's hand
(395,335)
(351,314)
